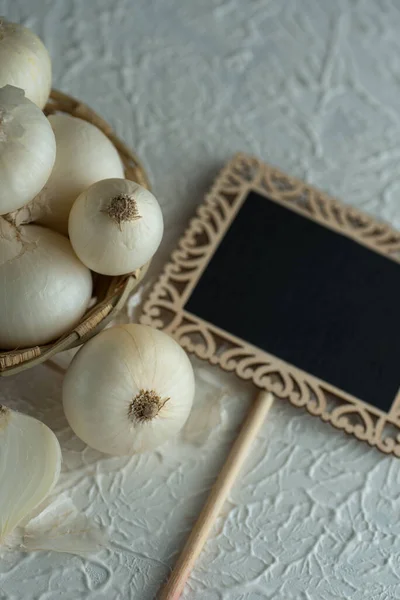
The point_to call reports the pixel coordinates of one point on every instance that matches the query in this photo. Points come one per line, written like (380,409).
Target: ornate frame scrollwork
(165,306)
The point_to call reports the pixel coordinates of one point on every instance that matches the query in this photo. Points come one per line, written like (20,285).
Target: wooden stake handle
(200,532)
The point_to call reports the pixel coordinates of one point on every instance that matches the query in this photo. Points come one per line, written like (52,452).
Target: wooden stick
(198,537)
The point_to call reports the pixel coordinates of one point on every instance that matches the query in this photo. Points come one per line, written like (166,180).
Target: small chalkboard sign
(289,288)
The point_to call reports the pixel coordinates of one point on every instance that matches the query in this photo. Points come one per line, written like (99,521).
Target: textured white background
(312,86)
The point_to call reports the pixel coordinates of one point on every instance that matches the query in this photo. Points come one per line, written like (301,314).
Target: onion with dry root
(84,155)
(115,226)
(45,288)
(128,390)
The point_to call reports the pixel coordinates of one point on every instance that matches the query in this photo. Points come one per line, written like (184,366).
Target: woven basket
(110,293)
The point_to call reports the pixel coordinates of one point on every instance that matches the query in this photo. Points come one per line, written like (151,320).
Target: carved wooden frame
(164,308)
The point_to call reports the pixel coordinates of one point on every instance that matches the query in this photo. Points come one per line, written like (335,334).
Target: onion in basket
(115,226)
(45,289)
(24,62)
(84,155)
(27,149)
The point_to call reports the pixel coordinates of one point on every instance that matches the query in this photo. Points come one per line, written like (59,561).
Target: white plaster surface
(312,86)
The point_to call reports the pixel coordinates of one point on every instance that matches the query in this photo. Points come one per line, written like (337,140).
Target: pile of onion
(65,208)
(66,211)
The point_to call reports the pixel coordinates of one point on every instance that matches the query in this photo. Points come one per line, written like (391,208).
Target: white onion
(128,390)
(30,462)
(45,289)
(115,226)
(84,155)
(27,149)
(24,62)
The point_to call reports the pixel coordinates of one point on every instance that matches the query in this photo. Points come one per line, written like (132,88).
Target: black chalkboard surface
(308,295)
(291,289)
